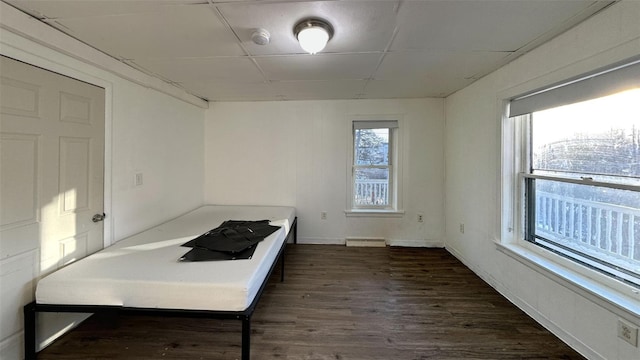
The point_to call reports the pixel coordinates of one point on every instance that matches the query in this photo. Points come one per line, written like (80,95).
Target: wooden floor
(340,303)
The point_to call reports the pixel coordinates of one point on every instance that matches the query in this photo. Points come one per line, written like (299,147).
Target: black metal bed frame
(31,309)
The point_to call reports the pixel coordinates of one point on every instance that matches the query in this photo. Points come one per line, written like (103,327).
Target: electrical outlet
(628,332)
(323,215)
(461,228)
(420,218)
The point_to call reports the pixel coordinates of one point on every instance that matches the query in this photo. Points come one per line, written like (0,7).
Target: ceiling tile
(493,25)
(319,67)
(359,25)
(308,90)
(413,88)
(422,64)
(237,69)
(89,8)
(232,91)
(173,31)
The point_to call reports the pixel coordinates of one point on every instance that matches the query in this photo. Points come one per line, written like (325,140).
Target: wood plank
(340,303)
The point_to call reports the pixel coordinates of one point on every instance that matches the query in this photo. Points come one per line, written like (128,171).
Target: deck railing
(593,226)
(371,192)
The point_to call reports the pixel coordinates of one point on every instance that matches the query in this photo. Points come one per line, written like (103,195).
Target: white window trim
(615,296)
(383,213)
(396,209)
(391,169)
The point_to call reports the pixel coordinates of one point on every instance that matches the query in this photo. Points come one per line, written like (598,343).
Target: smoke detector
(261,37)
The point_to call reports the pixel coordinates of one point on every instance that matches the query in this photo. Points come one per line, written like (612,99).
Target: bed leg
(29,312)
(282,266)
(246,338)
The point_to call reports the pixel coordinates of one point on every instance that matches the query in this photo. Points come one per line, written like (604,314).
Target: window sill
(374,213)
(624,302)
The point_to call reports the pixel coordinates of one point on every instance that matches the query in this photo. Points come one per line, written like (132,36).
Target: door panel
(19,97)
(51,173)
(52,141)
(75,156)
(18,185)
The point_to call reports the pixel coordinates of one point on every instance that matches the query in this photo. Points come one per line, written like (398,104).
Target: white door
(51,177)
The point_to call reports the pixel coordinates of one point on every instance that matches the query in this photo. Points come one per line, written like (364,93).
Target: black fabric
(199,254)
(233,239)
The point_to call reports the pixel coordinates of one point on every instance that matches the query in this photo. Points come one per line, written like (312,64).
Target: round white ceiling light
(313,34)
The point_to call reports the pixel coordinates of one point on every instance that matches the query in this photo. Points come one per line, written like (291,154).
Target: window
(580,163)
(373,170)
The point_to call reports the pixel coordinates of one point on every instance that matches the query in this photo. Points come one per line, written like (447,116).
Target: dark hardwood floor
(340,303)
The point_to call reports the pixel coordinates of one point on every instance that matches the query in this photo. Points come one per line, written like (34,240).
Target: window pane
(600,222)
(600,136)
(371,146)
(371,187)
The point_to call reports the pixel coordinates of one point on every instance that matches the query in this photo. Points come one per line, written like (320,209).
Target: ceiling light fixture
(313,34)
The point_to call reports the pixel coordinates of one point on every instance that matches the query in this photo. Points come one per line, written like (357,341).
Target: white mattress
(143,270)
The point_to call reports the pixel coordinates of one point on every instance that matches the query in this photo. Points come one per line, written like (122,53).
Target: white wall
(147,131)
(295,153)
(162,138)
(472,153)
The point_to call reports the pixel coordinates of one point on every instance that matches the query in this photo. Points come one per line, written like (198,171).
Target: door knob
(99,217)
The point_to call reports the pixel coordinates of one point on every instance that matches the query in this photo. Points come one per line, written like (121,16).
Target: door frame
(47,64)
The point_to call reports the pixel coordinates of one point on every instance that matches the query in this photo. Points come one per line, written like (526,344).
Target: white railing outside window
(371,192)
(590,226)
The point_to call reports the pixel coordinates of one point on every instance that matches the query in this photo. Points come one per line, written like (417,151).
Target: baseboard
(365,242)
(12,346)
(416,243)
(389,242)
(320,241)
(547,323)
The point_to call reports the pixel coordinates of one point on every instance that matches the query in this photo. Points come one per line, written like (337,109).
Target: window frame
(589,260)
(394,208)
(621,297)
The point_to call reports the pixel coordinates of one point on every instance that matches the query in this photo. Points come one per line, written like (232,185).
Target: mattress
(144,270)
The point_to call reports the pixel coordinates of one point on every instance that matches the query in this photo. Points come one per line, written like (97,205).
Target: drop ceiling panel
(173,31)
(479,25)
(380,49)
(232,91)
(319,67)
(359,25)
(452,64)
(237,69)
(413,88)
(307,90)
(60,9)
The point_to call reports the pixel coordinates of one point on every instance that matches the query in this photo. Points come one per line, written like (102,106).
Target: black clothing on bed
(233,239)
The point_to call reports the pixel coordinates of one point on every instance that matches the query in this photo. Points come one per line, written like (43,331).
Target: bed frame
(32,309)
